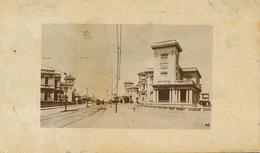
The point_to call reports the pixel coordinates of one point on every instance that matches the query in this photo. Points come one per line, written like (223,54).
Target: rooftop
(47,70)
(128,82)
(167,43)
(70,77)
(149,70)
(191,69)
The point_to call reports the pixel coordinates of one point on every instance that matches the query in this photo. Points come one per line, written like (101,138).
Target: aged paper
(234,91)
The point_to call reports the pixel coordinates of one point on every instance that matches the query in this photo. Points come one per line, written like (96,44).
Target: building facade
(173,84)
(50,88)
(167,83)
(145,89)
(204,100)
(131,91)
(69,91)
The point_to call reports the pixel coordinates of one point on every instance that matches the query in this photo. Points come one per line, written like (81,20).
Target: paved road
(93,117)
(77,116)
(145,118)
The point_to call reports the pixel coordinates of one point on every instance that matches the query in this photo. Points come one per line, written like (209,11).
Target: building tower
(173,84)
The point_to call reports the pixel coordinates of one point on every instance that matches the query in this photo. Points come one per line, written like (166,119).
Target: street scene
(126,76)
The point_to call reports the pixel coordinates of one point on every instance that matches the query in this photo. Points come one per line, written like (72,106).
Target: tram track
(60,115)
(68,119)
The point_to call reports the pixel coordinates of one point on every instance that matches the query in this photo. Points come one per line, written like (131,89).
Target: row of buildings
(167,83)
(53,90)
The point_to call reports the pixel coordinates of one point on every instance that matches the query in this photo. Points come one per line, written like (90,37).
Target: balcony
(49,86)
(188,82)
(164,82)
(185,82)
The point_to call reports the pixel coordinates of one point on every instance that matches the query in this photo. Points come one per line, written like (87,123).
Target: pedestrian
(132,105)
(137,102)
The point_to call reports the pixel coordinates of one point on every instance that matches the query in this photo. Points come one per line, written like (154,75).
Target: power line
(77,43)
(80,85)
(65,37)
(53,68)
(106,37)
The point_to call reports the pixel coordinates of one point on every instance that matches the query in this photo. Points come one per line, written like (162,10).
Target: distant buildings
(131,91)
(145,88)
(70,84)
(168,83)
(204,99)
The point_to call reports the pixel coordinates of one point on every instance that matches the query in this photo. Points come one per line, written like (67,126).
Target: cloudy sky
(88,52)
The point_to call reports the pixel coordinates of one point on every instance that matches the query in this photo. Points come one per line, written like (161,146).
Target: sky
(88,52)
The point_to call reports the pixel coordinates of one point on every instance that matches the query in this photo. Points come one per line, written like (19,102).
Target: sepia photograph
(129,76)
(126,76)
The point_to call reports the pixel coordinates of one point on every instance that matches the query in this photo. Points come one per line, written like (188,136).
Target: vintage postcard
(129,76)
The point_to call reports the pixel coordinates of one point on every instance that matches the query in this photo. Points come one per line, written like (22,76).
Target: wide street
(104,116)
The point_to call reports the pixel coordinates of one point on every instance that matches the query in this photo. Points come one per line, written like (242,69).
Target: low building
(204,100)
(69,90)
(131,91)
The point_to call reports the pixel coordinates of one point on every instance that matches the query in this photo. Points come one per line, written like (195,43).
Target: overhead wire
(64,38)
(106,37)
(52,68)
(76,41)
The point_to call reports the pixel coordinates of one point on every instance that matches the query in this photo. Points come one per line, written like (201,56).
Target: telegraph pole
(118,61)
(66,99)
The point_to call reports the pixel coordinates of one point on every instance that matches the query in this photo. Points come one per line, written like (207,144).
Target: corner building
(171,84)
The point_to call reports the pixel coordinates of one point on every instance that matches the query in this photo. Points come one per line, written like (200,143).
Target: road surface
(96,116)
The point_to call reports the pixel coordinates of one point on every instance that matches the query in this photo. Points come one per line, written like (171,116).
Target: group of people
(133,104)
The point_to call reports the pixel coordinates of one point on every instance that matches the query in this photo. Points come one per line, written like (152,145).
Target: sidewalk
(56,107)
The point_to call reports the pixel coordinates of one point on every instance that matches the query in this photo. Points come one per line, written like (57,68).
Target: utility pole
(118,61)
(66,99)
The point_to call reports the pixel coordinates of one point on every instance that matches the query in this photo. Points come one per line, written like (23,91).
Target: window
(46,80)
(164,95)
(164,73)
(49,95)
(45,95)
(164,58)
(143,86)
(183,95)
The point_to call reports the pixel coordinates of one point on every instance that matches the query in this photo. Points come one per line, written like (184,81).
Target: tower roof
(70,77)
(168,43)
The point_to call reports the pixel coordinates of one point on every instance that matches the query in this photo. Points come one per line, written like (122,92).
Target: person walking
(132,103)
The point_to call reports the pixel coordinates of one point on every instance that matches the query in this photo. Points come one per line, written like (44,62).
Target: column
(154,95)
(175,96)
(179,96)
(190,96)
(187,96)
(170,96)
(157,96)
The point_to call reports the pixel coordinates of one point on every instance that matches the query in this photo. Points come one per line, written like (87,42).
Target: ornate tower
(166,65)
